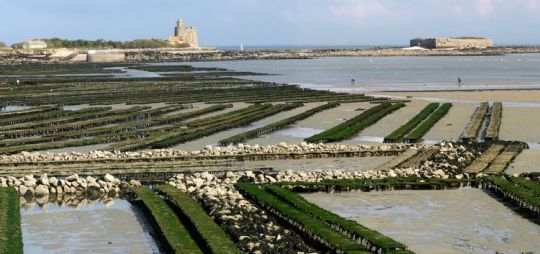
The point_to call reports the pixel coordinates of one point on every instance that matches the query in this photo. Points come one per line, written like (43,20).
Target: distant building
(33,44)
(94,56)
(184,36)
(452,42)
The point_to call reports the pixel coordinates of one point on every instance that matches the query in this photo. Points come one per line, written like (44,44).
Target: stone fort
(452,42)
(184,36)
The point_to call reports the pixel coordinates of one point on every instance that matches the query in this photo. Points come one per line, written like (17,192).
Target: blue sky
(274,22)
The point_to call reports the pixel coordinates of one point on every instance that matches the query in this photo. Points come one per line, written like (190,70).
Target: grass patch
(525,195)
(303,221)
(244,136)
(354,125)
(215,239)
(526,183)
(417,134)
(399,133)
(172,228)
(10,222)
(373,237)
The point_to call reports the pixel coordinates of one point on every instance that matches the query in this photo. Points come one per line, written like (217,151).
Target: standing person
(459,81)
(352,81)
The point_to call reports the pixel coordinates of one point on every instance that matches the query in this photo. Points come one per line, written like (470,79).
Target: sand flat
(215,138)
(329,118)
(520,123)
(451,221)
(493,95)
(527,161)
(452,125)
(391,121)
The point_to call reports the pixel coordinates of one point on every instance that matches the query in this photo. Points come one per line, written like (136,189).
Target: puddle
(8,108)
(534,145)
(372,139)
(465,220)
(114,226)
(297,132)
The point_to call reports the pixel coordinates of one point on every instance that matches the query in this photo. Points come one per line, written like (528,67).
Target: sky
(274,22)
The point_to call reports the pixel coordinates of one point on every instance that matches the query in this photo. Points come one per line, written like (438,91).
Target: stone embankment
(209,151)
(45,185)
(161,55)
(307,54)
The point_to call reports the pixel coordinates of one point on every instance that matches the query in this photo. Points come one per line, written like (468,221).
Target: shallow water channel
(102,227)
(465,220)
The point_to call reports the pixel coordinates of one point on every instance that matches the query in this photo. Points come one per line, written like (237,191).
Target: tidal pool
(97,227)
(463,220)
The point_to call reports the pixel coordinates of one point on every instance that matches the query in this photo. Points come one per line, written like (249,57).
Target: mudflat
(439,221)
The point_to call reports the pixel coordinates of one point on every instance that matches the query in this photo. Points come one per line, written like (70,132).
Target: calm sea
(397,73)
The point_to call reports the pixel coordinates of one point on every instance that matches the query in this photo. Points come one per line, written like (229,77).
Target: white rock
(198,182)
(53,181)
(44,179)
(109,178)
(22,190)
(134,183)
(72,178)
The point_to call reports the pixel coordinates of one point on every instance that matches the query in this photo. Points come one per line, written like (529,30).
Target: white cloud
(484,7)
(362,9)
(531,5)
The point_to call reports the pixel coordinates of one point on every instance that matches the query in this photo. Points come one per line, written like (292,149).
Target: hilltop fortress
(452,42)
(184,36)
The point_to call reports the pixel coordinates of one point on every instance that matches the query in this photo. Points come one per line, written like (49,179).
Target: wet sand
(527,161)
(315,124)
(99,228)
(452,221)
(520,123)
(215,138)
(504,95)
(389,123)
(452,125)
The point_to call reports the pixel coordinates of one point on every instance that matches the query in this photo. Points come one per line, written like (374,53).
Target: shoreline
(517,97)
(10,57)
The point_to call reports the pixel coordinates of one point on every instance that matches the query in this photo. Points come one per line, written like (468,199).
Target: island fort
(184,36)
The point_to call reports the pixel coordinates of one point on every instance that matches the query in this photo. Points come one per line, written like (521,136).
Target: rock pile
(257,231)
(449,161)
(253,229)
(44,185)
(239,149)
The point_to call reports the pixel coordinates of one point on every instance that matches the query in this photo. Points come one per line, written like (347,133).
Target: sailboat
(241,47)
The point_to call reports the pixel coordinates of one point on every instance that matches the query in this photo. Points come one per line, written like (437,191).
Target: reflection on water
(371,139)
(14,107)
(132,73)
(534,145)
(100,226)
(297,132)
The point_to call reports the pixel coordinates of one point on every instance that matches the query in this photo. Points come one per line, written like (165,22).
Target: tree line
(103,44)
